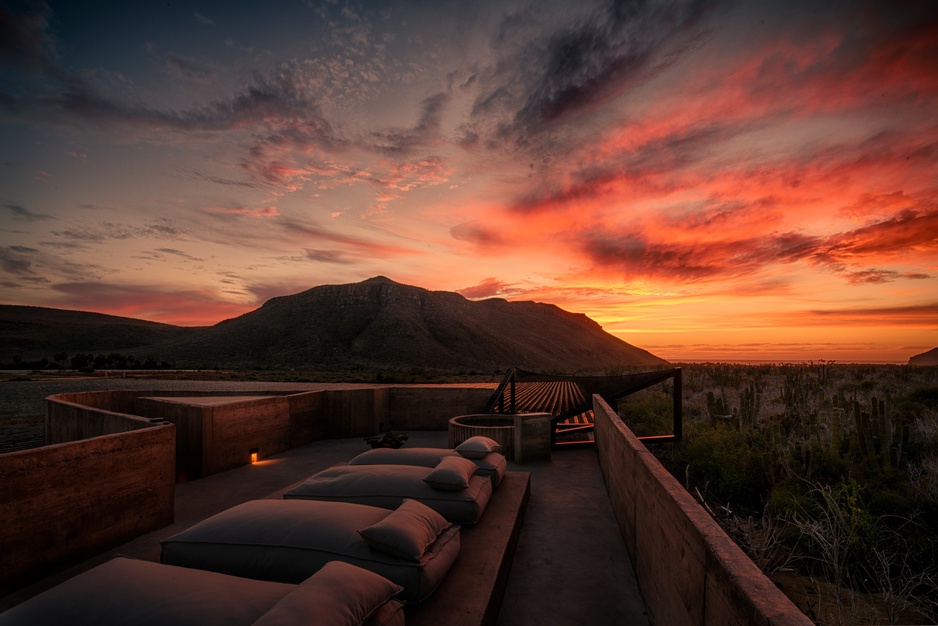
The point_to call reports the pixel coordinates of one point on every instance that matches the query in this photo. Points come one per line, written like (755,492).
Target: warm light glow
(253,455)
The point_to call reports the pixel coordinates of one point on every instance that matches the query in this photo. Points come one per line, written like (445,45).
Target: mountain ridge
(925,358)
(379,323)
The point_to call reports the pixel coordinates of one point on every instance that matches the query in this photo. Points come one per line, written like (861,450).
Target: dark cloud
(426,129)
(160,229)
(476,233)
(908,230)
(362,247)
(280,101)
(884,48)
(637,254)
(17,260)
(230,182)
(179,253)
(189,68)
(23,213)
(651,165)
(873,276)
(924,314)
(579,66)
(328,256)
(25,38)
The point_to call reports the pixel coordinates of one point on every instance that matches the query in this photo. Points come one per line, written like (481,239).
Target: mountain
(31,331)
(379,323)
(926,358)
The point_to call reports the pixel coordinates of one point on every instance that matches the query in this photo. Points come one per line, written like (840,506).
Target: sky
(708,180)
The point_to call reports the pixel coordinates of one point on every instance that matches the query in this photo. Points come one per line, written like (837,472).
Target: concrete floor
(570,566)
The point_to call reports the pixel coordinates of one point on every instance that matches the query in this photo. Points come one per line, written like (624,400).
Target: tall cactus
(716,407)
(750,401)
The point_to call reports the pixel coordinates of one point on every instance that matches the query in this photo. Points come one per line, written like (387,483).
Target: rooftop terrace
(570,564)
(567,540)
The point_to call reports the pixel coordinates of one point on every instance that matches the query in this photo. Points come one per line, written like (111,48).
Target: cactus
(716,407)
(838,441)
(750,401)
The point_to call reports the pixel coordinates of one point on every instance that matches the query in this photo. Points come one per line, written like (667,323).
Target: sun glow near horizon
(707,180)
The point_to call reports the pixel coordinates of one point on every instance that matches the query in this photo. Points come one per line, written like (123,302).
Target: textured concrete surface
(692,573)
(571,565)
(61,504)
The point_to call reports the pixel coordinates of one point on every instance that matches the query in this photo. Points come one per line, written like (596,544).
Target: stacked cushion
(288,540)
(492,465)
(388,486)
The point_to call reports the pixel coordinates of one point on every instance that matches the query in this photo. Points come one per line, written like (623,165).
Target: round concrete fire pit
(500,428)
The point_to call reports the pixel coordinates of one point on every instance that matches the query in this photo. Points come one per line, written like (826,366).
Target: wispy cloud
(204,21)
(22,213)
(158,229)
(488,288)
(257,212)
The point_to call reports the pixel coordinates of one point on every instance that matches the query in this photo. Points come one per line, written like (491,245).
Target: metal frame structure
(568,397)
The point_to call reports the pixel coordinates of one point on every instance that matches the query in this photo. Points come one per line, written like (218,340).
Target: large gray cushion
(388,485)
(142,593)
(289,540)
(492,465)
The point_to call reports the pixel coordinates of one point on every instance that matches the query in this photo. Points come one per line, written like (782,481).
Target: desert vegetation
(826,474)
(85,362)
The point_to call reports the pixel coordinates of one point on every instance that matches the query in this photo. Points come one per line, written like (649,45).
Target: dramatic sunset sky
(706,179)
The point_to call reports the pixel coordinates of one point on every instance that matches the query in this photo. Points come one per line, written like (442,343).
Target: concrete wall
(77,416)
(690,572)
(232,430)
(430,408)
(189,421)
(62,503)
(215,438)
(354,412)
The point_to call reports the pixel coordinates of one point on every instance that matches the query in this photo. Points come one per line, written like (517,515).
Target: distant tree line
(86,362)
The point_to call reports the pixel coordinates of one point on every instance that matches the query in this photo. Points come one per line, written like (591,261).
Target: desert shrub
(648,412)
(724,466)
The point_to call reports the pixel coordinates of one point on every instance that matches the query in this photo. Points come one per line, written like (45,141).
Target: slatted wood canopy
(569,399)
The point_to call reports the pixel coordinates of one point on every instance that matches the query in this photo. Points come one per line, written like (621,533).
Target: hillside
(35,332)
(382,324)
(926,358)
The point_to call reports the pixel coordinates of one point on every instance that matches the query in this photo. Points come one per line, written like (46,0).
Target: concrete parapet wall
(430,408)
(77,416)
(354,412)
(62,503)
(209,438)
(233,430)
(689,571)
